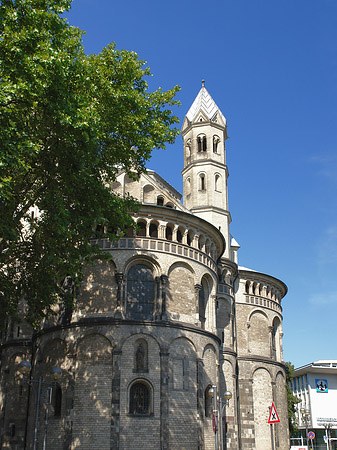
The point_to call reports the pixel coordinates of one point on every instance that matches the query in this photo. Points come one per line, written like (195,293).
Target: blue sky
(271,66)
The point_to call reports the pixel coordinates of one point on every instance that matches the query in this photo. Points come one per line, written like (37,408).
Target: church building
(172,345)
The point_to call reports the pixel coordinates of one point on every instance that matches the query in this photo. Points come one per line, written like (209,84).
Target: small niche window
(216,141)
(217,182)
(56,400)
(202,182)
(188,186)
(140,397)
(202,143)
(160,201)
(202,306)
(188,148)
(179,235)
(208,402)
(12,430)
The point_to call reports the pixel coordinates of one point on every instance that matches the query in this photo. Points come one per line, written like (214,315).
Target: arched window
(208,402)
(168,233)
(130,232)
(274,338)
(247,287)
(202,305)
(202,182)
(216,141)
(189,238)
(160,201)
(141,229)
(188,186)
(140,399)
(201,242)
(153,230)
(217,182)
(141,355)
(56,400)
(180,235)
(188,148)
(140,293)
(202,143)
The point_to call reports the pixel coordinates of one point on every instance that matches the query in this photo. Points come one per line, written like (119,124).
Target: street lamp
(25,367)
(305,417)
(227,396)
(212,392)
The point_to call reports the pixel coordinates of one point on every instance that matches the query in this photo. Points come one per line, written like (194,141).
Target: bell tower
(205,172)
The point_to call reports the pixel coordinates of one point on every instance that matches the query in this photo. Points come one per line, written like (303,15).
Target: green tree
(292,400)
(69,123)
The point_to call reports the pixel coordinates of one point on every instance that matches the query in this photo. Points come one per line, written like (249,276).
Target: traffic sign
(214,423)
(311,435)
(273,416)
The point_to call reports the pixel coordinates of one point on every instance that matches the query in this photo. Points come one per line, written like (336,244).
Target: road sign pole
(272,437)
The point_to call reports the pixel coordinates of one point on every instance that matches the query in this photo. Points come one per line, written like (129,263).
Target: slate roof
(204,102)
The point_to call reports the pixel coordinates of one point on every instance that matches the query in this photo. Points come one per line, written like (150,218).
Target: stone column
(161,231)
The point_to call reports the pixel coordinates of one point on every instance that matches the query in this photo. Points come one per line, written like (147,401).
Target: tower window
(217,182)
(202,182)
(202,143)
(216,141)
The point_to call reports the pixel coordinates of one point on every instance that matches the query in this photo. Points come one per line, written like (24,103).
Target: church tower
(205,171)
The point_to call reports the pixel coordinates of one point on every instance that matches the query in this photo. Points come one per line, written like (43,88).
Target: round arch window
(140,398)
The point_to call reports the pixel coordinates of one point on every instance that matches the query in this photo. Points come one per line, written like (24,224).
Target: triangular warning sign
(273,416)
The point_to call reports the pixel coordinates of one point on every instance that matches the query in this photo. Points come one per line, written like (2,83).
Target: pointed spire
(206,104)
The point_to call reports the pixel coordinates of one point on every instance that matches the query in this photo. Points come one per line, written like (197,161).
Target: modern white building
(315,384)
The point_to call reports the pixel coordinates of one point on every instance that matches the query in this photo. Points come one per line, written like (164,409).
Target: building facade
(156,327)
(315,385)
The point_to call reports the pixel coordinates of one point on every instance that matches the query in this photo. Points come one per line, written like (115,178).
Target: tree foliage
(292,400)
(68,123)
